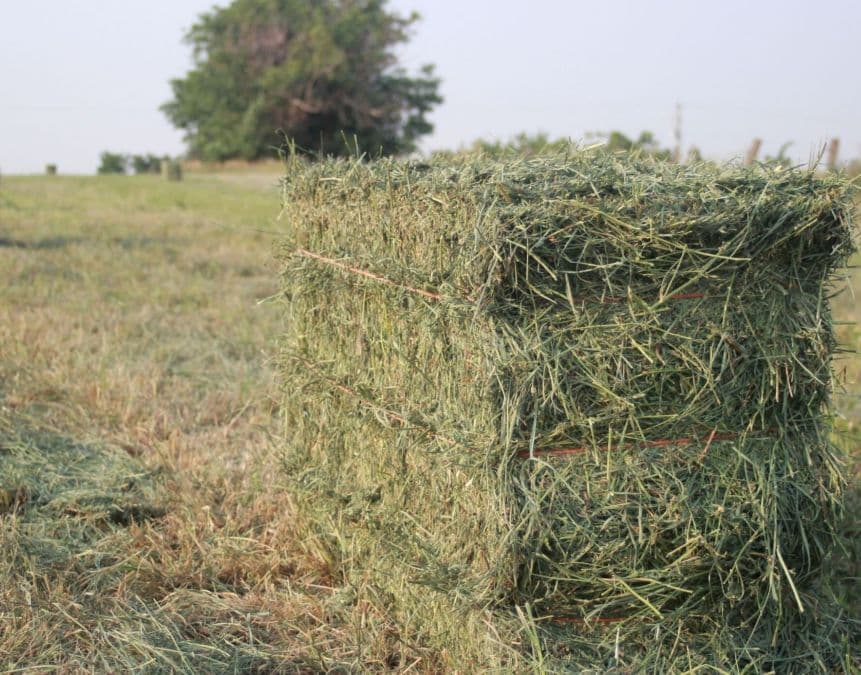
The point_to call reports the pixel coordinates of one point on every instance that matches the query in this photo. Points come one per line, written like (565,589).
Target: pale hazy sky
(82,76)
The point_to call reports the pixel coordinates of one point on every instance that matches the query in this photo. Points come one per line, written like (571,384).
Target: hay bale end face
(569,408)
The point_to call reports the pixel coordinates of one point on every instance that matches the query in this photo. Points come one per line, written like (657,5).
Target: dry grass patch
(142,521)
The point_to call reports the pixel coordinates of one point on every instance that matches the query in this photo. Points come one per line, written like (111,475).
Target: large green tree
(320,72)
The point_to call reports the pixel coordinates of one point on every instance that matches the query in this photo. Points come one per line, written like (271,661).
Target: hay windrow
(44,474)
(570,411)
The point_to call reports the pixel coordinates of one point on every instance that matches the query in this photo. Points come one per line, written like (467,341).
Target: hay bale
(571,408)
(171,169)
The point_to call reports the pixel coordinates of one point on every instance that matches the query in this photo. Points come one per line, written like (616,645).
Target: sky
(83,76)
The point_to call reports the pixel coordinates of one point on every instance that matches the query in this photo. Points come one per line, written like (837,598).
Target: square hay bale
(569,412)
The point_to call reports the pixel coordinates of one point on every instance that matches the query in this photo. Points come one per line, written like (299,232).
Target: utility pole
(677,134)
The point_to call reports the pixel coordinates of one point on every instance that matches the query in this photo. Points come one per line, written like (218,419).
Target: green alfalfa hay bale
(667,327)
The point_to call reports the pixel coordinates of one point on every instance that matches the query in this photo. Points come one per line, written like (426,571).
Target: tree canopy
(531,144)
(320,72)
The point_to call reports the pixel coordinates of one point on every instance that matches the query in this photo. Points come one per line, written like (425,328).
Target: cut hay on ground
(569,412)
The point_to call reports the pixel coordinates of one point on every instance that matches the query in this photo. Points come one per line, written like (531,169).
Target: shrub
(146,163)
(112,162)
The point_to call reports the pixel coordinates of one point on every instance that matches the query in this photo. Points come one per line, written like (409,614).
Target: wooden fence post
(752,151)
(833,152)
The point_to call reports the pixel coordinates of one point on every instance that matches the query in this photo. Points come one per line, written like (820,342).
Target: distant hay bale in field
(50,169)
(171,169)
(569,412)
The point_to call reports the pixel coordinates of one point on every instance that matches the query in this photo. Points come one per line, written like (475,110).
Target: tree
(645,143)
(148,163)
(521,145)
(112,162)
(322,72)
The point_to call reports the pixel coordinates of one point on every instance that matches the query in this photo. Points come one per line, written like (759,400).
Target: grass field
(143,525)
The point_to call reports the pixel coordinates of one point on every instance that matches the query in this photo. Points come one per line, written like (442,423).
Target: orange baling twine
(662,442)
(368,275)
(607,300)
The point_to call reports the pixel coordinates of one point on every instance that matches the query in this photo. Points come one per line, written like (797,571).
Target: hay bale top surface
(629,213)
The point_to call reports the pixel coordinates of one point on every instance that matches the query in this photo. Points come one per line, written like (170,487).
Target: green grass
(143,524)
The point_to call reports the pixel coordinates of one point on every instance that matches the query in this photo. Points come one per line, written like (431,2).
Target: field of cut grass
(143,521)
(142,525)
